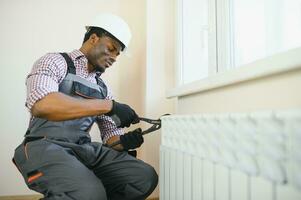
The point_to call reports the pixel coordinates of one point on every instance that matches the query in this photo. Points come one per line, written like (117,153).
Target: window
(264,27)
(215,36)
(193,34)
(195,39)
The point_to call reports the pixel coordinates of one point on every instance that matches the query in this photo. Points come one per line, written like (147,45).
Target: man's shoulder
(51,58)
(50,63)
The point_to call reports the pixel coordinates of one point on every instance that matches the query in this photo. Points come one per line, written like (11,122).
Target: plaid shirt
(50,70)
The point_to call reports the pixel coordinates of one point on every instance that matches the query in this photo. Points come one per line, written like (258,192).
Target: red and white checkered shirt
(50,70)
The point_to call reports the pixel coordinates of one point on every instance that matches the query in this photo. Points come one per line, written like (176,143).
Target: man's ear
(93,38)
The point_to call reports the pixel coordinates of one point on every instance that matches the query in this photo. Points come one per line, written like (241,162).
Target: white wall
(31,28)
(159,71)
(275,92)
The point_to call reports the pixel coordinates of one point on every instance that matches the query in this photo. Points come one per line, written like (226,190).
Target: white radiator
(231,156)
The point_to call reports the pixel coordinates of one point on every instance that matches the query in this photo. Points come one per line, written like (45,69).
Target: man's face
(103,53)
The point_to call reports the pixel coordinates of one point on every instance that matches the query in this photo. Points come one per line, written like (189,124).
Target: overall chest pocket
(84,91)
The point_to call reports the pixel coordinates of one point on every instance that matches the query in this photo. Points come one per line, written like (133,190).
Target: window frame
(212,59)
(222,70)
(277,64)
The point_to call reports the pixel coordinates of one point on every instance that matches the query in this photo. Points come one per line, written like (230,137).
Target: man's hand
(132,139)
(123,115)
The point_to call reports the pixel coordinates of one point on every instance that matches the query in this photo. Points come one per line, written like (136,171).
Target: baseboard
(35,197)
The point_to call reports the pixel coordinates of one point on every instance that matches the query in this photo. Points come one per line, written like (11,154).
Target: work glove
(132,139)
(123,115)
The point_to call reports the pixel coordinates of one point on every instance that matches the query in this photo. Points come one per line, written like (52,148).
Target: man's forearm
(57,106)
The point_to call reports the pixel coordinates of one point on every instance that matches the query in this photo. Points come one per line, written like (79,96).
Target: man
(66,95)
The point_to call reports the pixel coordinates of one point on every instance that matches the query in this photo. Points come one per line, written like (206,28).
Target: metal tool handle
(151,129)
(151,121)
(156,126)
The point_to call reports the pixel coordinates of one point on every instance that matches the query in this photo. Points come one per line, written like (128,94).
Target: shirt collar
(78,57)
(76,54)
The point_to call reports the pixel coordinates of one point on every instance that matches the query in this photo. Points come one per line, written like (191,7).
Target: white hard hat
(113,24)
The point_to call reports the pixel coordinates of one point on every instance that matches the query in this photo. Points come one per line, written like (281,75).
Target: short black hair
(100,33)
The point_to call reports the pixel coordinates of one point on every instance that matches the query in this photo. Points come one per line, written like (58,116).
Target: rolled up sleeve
(106,125)
(108,128)
(43,79)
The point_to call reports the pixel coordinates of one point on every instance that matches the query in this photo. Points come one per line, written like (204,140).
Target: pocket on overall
(42,166)
(84,91)
(27,158)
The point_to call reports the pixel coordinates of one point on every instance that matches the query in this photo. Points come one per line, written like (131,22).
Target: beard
(99,68)
(97,57)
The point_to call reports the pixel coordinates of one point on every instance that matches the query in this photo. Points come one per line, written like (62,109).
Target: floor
(35,197)
(25,197)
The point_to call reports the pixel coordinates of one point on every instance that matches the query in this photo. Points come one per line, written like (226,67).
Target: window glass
(262,28)
(194,40)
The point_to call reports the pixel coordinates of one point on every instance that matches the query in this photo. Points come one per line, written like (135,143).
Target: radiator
(231,156)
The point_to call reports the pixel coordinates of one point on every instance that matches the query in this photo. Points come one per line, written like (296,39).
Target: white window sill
(276,64)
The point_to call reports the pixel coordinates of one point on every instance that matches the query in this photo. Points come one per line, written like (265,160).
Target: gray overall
(59,160)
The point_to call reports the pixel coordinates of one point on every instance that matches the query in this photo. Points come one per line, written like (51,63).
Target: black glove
(123,115)
(132,139)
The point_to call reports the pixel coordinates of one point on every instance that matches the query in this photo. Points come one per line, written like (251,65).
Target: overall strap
(70,64)
(102,86)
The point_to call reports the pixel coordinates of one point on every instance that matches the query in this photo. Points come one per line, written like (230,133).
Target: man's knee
(151,179)
(145,180)
(142,184)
